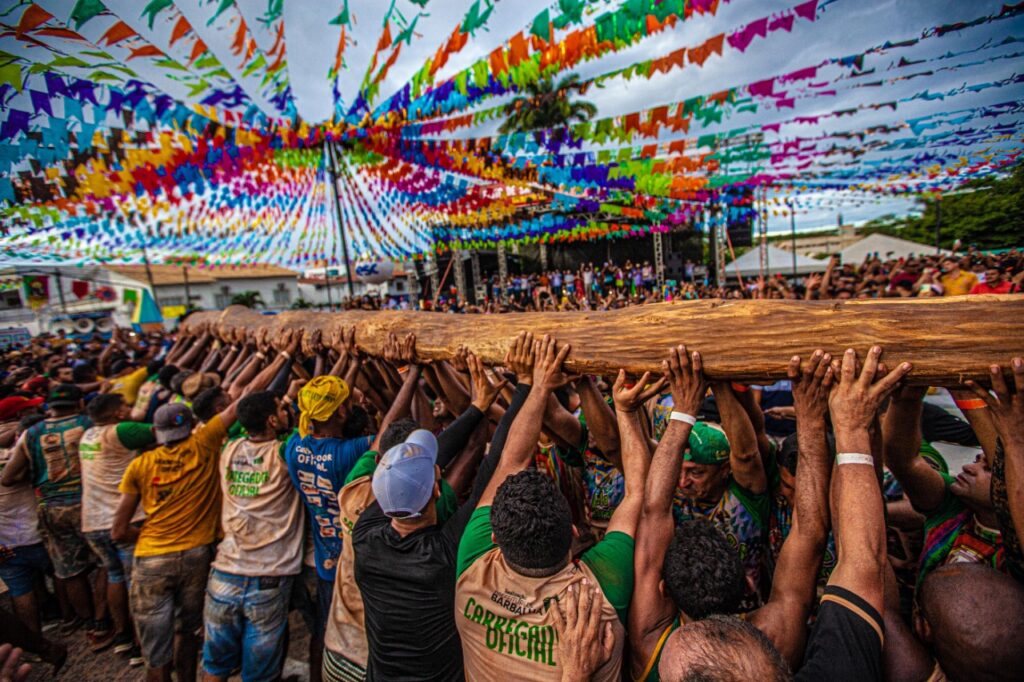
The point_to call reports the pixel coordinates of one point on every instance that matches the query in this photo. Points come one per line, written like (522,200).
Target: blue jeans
(245,621)
(24,565)
(116,557)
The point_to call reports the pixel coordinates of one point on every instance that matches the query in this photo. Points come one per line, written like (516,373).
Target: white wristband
(683,417)
(854,458)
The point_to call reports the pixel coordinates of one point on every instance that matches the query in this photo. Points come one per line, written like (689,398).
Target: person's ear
(494,540)
(661,588)
(575,531)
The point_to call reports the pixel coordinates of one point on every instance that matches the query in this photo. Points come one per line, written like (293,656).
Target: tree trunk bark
(948,340)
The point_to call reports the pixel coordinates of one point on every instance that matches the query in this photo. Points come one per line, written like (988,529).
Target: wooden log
(948,340)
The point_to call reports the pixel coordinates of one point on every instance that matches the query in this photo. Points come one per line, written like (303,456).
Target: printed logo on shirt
(245,483)
(512,636)
(324,484)
(306,476)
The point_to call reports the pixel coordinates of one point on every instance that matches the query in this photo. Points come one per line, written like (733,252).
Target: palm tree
(544,104)
(250,299)
(301,304)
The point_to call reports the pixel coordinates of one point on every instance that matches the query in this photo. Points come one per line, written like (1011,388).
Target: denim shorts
(116,557)
(245,621)
(166,598)
(20,570)
(61,526)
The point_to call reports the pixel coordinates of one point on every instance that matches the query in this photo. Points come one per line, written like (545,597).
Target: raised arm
(744,453)
(403,401)
(601,420)
(783,619)
(525,430)
(652,610)
(635,455)
(901,433)
(1007,411)
(858,514)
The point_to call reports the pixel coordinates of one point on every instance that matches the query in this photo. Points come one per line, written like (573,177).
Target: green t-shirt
(610,560)
(135,435)
(446,504)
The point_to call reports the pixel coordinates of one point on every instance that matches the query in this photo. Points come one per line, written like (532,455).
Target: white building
(212,288)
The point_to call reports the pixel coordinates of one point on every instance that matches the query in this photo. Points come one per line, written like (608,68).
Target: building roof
(887,248)
(779,261)
(164,275)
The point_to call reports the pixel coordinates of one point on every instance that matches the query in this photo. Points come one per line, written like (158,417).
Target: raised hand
(685,374)
(263,340)
(484,391)
(630,399)
(584,645)
(407,350)
(1007,407)
(389,351)
(520,358)
(459,360)
(856,396)
(547,370)
(811,385)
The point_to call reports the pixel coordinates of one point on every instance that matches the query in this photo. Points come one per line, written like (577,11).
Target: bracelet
(740,388)
(683,417)
(286,354)
(854,458)
(260,356)
(970,404)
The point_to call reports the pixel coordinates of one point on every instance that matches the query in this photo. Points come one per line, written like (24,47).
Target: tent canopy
(886,247)
(779,262)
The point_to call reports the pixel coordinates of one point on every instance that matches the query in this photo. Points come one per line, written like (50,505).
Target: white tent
(779,262)
(886,247)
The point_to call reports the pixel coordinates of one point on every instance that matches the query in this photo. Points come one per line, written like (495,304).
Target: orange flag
(32,18)
(180,29)
(117,33)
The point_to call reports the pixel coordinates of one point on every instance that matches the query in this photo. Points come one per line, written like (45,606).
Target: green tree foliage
(301,304)
(987,213)
(250,299)
(545,104)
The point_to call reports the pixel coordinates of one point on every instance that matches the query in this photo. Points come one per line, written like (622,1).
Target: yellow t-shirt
(180,491)
(960,285)
(128,385)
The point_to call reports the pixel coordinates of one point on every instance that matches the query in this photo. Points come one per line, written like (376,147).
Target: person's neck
(262,437)
(406,527)
(328,431)
(985,517)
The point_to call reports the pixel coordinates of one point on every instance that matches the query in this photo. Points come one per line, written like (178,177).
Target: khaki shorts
(61,526)
(167,593)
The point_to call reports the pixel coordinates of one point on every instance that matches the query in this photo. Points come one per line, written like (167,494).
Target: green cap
(933,457)
(707,445)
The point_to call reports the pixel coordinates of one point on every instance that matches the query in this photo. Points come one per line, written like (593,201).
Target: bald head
(721,648)
(973,620)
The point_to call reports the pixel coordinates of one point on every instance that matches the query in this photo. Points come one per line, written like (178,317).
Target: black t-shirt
(408,588)
(846,643)
(408,584)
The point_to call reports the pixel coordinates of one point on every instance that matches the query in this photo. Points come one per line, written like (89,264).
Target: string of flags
(171,126)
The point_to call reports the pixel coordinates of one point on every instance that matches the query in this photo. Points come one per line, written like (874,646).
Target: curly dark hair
(702,571)
(254,410)
(396,433)
(531,521)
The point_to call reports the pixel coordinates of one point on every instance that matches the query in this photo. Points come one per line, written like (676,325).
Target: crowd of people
(177,497)
(612,285)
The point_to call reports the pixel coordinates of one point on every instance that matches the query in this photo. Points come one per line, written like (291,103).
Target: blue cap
(404,480)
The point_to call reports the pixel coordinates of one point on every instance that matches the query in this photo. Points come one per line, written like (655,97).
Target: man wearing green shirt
(514,561)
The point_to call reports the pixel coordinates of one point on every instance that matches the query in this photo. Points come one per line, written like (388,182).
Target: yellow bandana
(319,399)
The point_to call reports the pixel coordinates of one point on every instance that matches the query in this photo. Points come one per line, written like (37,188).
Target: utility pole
(188,290)
(341,227)
(792,234)
(60,291)
(149,270)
